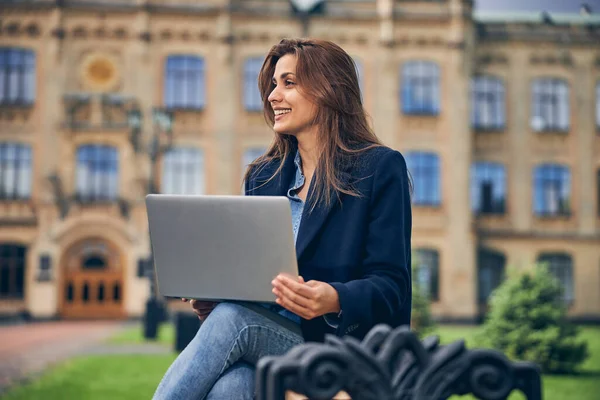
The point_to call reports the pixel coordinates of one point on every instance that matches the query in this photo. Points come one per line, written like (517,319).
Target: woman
(351,216)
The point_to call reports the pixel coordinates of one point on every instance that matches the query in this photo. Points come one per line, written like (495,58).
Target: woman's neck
(307,146)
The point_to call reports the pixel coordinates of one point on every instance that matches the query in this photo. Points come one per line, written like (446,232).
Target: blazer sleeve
(385,286)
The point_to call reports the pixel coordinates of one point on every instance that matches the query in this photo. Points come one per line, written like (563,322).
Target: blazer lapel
(312,221)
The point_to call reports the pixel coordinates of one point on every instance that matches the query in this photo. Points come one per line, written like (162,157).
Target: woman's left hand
(306,299)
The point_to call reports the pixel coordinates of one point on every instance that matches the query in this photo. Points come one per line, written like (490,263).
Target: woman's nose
(275,95)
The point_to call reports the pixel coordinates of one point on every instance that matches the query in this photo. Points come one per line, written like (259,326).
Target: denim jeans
(219,362)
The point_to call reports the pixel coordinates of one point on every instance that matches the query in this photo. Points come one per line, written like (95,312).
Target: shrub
(527,321)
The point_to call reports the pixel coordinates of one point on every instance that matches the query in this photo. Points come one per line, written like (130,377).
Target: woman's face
(294,113)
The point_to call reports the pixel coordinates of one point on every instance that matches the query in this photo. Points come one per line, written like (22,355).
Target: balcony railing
(85,111)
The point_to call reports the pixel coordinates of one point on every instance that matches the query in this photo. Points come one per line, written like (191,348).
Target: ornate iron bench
(394,364)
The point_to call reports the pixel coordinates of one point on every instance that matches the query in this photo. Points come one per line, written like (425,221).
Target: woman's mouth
(281,113)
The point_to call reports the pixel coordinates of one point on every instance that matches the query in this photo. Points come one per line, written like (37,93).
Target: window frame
(419,172)
(251,98)
(420,76)
(548,95)
(15,262)
(189,170)
(25,71)
(554,260)
(497,270)
(104,189)
(432,287)
(22,167)
(192,76)
(557,173)
(491,174)
(495,100)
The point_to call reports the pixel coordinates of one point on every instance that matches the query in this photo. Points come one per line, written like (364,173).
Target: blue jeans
(219,362)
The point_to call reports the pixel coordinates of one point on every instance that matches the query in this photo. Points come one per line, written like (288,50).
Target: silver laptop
(220,247)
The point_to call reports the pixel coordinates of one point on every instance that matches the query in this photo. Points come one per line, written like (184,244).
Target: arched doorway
(93,281)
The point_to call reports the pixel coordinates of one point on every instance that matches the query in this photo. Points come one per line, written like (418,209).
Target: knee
(237,382)
(227,317)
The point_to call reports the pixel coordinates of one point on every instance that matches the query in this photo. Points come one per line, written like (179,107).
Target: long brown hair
(326,75)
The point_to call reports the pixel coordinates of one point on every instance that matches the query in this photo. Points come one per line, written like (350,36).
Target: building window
(487,103)
(427,272)
(17,76)
(15,171)
(490,272)
(420,88)
(552,186)
(560,266)
(97,173)
(183,171)
(12,271)
(488,188)
(550,105)
(184,82)
(425,171)
(252,99)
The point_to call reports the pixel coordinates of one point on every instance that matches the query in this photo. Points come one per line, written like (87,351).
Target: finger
(283,291)
(300,279)
(183,299)
(297,287)
(295,308)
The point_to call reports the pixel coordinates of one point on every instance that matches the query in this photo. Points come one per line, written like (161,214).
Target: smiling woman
(351,217)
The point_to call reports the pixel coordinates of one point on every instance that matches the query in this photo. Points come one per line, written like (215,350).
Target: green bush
(527,321)
(421,321)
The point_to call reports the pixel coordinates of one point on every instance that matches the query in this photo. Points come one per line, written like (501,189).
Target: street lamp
(304,9)
(162,122)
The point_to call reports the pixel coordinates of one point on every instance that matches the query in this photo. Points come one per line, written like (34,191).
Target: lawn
(166,335)
(136,377)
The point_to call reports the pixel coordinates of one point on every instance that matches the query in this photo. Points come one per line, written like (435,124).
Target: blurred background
(494,104)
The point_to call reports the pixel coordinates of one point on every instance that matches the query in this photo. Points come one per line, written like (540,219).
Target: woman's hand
(202,308)
(307,299)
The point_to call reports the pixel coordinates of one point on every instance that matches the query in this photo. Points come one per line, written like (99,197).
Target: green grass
(135,335)
(98,377)
(136,377)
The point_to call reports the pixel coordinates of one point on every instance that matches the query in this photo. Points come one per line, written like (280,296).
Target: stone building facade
(498,117)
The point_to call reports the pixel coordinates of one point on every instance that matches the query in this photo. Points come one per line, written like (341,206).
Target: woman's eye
(289,83)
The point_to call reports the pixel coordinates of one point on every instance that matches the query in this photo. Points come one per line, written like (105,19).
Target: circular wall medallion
(99,72)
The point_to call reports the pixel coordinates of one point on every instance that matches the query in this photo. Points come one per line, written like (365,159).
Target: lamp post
(162,122)
(304,9)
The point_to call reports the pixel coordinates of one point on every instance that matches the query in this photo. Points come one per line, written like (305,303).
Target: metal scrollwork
(394,364)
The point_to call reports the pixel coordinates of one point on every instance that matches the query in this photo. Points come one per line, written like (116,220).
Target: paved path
(30,348)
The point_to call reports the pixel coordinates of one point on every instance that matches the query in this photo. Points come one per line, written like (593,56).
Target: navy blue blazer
(359,245)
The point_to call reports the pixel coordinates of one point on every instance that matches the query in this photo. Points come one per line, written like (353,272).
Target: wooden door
(93,281)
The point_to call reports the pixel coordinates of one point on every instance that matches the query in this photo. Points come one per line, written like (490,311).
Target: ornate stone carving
(393,364)
(99,72)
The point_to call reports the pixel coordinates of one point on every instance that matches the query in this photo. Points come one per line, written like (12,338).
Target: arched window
(94,262)
(560,265)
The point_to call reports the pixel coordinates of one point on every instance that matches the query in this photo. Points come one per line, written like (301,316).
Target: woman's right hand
(202,308)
